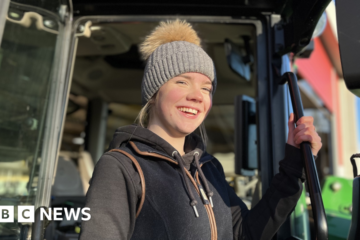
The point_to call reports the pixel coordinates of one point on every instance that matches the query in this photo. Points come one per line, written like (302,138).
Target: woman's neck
(176,142)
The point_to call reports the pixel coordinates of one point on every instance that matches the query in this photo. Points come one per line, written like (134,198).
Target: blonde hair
(203,134)
(144,116)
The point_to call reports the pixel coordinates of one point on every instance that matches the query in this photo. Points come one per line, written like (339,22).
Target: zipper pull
(203,195)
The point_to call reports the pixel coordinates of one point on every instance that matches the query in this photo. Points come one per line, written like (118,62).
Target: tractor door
(34,49)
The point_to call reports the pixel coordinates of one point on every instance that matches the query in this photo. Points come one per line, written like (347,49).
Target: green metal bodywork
(337,198)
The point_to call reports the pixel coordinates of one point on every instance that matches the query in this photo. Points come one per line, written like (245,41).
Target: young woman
(158,182)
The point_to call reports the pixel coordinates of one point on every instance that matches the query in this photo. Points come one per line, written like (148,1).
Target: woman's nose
(195,95)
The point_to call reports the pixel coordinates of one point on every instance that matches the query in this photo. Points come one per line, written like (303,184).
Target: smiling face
(182,104)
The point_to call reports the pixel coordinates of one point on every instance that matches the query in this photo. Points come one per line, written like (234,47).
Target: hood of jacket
(141,135)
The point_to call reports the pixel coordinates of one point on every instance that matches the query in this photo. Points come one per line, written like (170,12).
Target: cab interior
(105,93)
(108,70)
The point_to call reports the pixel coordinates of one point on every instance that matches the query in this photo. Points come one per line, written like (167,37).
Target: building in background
(323,75)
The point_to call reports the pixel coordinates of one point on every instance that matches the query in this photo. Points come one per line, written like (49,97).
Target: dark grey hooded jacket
(168,211)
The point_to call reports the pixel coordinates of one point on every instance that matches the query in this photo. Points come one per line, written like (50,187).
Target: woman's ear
(152,103)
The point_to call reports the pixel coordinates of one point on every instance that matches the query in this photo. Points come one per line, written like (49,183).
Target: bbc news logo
(26,214)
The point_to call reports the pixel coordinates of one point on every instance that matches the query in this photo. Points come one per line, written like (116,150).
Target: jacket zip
(208,207)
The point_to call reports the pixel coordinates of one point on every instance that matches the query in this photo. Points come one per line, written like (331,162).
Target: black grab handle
(354,232)
(353,163)
(310,168)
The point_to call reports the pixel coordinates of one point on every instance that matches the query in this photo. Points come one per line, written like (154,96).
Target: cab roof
(299,16)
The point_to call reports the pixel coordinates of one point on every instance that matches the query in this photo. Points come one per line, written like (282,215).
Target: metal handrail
(353,163)
(309,163)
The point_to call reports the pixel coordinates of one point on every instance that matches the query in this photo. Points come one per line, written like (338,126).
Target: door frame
(4,7)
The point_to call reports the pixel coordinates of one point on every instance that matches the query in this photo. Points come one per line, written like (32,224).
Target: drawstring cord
(202,176)
(187,184)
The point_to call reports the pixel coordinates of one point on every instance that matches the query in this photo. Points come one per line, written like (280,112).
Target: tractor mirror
(239,59)
(245,136)
(348,22)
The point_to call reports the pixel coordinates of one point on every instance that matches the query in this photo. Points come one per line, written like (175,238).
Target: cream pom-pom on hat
(171,49)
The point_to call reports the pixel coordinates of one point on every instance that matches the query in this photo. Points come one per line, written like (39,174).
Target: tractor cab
(70,74)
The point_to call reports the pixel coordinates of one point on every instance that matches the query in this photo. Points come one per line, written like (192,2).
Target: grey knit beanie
(171,49)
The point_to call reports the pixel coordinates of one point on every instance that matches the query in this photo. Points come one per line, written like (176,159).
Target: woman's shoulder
(115,165)
(113,158)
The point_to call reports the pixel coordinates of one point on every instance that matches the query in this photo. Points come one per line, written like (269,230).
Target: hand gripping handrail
(309,163)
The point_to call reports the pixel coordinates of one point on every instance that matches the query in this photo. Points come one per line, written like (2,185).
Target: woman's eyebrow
(208,82)
(185,76)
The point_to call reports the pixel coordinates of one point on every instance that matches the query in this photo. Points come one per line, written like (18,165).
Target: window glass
(26,57)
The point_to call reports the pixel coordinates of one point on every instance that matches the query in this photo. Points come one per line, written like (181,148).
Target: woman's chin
(186,130)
